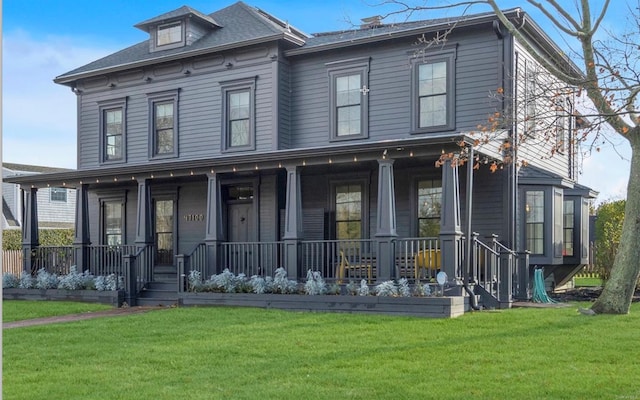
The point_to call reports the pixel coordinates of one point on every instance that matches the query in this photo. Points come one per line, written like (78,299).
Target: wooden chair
(345,265)
(428,259)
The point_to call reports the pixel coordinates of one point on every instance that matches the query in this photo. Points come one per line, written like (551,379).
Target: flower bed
(111,297)
(435,307)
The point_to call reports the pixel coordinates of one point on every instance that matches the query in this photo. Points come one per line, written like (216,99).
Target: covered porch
(379,254)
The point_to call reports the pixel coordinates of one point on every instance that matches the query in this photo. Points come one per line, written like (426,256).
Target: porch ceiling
(430,146)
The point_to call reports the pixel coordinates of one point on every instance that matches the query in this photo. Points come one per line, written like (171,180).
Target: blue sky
(45,38)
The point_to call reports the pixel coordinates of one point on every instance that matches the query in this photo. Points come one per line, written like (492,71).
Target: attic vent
(371,22)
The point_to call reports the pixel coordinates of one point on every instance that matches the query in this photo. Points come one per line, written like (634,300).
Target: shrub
(282,285)
(9,280)
(194,281)
(75,280)
(352,288)
(45,280)
(12,238)
(109,283)
(259,285)
(403,288)
(387,288)
(27,282)
(608,229)
(364,288)
(315,284)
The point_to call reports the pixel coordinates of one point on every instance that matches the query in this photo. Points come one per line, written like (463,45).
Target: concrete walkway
(78,317)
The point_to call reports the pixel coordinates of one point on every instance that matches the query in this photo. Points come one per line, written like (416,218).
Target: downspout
(468,233)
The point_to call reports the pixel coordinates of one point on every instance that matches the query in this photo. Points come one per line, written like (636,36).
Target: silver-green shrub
(46,280)
(10,280)
(315,284)
(352,288)
(194,281)
(387,288)
(75,280)
(403,288)
(282,285)
(363,290)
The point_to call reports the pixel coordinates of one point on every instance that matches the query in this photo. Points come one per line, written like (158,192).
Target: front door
(164,236)
(240,222)
(241,232)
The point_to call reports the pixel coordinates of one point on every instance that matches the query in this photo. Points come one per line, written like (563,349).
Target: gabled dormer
(178,28)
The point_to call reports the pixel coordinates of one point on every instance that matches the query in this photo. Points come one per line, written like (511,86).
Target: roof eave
(393,35)
(69,79)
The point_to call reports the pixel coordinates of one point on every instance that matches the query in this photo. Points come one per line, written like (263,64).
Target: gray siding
(199,106)
(535,150)
(55,213)
(390,84)
(192,201)
(268,221)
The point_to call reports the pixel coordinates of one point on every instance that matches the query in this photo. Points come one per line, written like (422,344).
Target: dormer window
(169,33)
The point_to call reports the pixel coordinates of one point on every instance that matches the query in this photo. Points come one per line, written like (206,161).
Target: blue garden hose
(539,292)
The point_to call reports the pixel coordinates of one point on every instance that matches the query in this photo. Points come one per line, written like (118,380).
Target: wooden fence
(12,262)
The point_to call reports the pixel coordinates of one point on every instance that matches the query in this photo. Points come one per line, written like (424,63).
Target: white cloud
(39,116)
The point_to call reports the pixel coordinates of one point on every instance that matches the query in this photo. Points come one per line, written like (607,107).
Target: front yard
(237,353)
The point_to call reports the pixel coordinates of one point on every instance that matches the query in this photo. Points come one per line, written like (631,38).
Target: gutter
(398,34)
(230,161)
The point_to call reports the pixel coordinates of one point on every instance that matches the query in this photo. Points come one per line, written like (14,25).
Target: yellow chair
(346,265)
(428,259)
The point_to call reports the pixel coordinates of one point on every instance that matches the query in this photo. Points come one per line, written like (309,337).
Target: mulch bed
(585,294)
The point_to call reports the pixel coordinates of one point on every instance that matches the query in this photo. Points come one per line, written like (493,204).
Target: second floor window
(239,118)
(163,124)
(348,98)
(112,130)
(113,134)
(433,92)
(238,114)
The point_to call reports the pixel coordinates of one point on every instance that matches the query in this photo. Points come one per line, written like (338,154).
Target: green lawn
(13,310)
(234,353)
(582,282)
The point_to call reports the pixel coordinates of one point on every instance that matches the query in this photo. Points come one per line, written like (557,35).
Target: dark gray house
(234,140)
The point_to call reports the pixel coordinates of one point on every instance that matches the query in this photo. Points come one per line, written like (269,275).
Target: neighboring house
(235,140)
(56,205)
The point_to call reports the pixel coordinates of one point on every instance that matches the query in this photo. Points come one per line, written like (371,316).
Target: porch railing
(252,258)
(340,260)
(54,259)
(106,260)
(492,269)
(418,259)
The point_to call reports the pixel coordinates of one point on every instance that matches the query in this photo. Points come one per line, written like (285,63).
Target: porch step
(165,273)
(159,294)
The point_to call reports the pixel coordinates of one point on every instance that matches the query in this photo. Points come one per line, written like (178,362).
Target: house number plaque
(193,217)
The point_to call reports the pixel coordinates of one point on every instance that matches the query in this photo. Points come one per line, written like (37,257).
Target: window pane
(349,120)
(168,34)
(433,111)
(239,132)
(113,223)
(429,207)
(534,210)
(164,141)
(348,212)
(164,115)
(432,79)
(58,194)
(348,90)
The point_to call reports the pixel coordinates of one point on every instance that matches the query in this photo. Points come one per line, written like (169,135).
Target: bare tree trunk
(618,291)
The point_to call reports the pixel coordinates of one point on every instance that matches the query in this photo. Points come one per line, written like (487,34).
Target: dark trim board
(431,307)
(113,298)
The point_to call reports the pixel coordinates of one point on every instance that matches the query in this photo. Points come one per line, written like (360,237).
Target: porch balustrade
(417,259)
(54,259)
(339,260)
(252,258)
(106,260)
